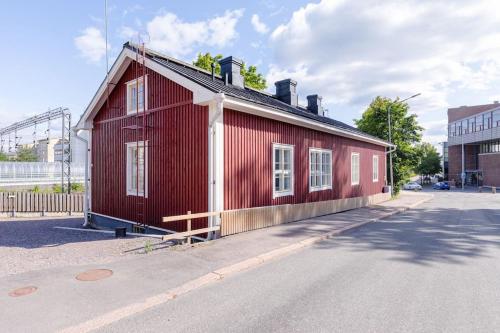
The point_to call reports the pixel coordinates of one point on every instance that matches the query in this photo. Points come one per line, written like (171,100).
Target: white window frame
(321,187)
(355,181)
(282,193)
(131,189)
(375,161)
(131,109)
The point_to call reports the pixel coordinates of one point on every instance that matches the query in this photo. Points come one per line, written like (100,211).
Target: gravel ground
(27,245)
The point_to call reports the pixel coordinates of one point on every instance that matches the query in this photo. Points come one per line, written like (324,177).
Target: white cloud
(352,51)
(128,33)
(258,25)
(91,44)
(168,33)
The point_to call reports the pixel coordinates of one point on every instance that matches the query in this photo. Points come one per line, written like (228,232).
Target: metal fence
(37,173)
(29,202)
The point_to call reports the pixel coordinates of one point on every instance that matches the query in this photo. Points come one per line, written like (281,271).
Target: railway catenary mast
(58,113)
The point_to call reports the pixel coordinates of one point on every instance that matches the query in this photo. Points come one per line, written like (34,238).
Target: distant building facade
(474,144)
(445,160)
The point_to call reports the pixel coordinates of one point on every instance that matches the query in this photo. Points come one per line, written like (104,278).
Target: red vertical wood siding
(248,179)
(177,154)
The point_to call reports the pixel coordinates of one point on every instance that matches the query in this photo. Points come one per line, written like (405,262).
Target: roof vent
(286,91)
(230,70)
(314,105)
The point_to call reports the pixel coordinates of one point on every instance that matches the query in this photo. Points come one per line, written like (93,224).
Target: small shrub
(57,188)
(148,247)
(77,187)
(36,189)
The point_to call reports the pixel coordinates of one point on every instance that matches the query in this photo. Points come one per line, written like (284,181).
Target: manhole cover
(94,275)
(23,291)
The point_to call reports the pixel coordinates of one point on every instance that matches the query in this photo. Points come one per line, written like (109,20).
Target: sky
(349,52)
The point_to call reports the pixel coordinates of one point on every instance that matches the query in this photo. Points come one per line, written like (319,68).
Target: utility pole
(389,126)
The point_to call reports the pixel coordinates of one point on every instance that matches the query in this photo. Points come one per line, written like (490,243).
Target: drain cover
(94,275)
(23,291)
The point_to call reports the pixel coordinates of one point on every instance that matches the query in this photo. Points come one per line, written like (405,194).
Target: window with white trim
(135,96)
(137,156)
(320,169)
(375,168)
(282,170)
(354,168)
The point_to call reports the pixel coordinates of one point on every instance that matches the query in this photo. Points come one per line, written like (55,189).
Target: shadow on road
(427,236)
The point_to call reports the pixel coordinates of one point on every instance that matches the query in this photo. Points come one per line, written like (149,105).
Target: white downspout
(86,201)
(214,164)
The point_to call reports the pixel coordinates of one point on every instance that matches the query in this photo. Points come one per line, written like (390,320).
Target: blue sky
(348,52)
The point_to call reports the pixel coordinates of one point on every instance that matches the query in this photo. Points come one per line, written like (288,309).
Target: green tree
(429,160)
(251,75)
(406,132)
(26,155)
(3,157)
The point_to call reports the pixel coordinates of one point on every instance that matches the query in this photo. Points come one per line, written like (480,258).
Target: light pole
(390,137)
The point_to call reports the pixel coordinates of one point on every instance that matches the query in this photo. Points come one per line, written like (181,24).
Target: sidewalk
(144,281)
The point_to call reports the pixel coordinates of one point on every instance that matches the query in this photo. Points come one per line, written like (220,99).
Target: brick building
(474,144)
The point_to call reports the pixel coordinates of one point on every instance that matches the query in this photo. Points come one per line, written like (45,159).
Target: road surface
(432,269)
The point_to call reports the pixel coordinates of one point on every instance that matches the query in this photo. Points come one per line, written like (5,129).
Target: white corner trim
(216,157)
(277,194)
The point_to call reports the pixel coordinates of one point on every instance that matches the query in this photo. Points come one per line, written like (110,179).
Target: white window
(355,169)
(137,156)
(320,169)
(375,168)
(282,170)
(135,96)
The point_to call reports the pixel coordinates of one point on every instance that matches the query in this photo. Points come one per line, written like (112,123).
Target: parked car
(412,186)
(441,186)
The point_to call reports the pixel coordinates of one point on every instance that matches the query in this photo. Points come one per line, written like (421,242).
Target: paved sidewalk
(147,280)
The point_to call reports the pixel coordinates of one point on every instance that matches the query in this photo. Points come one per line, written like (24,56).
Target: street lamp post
(390,138)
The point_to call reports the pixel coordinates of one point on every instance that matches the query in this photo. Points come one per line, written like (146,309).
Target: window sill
(282,194)
(135,194)
(317,189)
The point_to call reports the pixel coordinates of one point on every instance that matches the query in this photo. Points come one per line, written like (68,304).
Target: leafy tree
(405,134)
(26,155)
(429,160)
(251,75)
(3,157)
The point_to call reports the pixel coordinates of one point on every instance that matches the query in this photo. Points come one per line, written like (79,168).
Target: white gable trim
(201,95)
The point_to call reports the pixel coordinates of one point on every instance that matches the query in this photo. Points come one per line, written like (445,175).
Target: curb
(219,274)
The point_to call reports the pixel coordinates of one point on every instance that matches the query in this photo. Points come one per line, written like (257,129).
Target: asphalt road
(432,269)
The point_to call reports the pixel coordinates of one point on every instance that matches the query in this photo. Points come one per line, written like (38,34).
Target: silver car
(412,186)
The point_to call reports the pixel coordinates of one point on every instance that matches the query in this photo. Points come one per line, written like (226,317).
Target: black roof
(204,78)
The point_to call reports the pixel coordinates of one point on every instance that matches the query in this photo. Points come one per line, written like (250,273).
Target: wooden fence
(28,202)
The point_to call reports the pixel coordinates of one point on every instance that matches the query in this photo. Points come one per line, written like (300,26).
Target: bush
(77,187)
(36,189)
(57,188)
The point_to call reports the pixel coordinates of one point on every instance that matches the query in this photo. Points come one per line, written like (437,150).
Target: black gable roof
(204,79)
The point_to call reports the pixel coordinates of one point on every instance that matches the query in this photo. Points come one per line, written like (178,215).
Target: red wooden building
(167,138)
